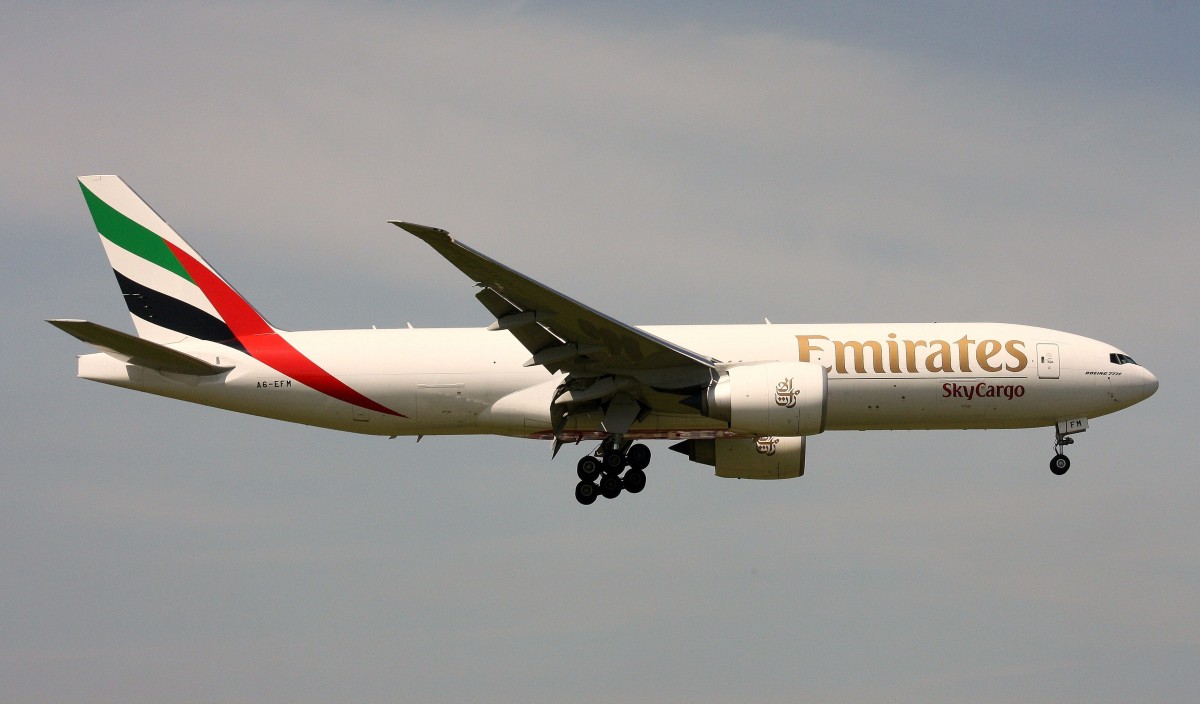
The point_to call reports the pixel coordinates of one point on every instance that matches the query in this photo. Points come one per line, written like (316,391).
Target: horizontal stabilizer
(134,350)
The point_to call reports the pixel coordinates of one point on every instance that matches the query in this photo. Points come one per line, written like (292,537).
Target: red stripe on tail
(266,345)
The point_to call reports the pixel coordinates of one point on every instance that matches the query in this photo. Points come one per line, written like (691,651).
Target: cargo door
(441,400)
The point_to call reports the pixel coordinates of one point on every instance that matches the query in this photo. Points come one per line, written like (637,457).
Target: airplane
(742,399)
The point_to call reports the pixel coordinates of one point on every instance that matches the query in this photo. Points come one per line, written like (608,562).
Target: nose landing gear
(607,464)
(1061,463)
(1062,432)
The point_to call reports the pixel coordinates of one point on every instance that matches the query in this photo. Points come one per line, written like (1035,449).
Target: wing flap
(532,336)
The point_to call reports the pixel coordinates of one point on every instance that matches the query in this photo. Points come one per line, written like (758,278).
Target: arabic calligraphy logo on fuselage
(785,395)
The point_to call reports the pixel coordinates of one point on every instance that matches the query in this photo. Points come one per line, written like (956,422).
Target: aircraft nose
(1149,384)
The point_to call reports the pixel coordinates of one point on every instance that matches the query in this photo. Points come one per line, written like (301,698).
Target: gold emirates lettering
(963,355)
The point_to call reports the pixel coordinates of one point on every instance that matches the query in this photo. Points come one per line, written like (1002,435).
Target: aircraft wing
(562,333)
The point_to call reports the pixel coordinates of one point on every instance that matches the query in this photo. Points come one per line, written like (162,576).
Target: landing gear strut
(1061,463)
(606,464)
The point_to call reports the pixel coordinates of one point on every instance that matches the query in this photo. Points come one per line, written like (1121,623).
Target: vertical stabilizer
(171,291)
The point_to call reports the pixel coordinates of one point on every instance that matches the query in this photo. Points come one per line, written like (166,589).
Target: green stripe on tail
(130,236)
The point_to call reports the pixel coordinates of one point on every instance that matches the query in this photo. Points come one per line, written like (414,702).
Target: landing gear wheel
(610,486)
(638,457)
(585,493)
(588,469)
(1060,464)
(634,481)
(613,460)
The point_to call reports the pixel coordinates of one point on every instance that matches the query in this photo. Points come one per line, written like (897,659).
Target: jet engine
(748,458)
(785,399)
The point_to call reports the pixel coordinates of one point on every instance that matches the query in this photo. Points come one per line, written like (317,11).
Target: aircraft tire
(610,486)
(1060,464)
(588,469)
(638,457)
(614,460)
(634,480)
(585,493)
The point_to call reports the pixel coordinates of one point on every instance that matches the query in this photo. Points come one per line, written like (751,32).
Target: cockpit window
(1117,358)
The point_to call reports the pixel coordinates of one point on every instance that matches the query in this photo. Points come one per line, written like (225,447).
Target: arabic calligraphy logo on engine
(785,395)
(766,446)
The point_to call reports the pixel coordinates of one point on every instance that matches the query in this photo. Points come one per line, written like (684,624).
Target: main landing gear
(601,472)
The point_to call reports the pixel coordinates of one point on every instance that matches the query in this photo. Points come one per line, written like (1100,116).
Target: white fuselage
(472,381)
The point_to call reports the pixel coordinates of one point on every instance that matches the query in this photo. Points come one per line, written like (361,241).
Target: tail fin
(169,288)
(173,293)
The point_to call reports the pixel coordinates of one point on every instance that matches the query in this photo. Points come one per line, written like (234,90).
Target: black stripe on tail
(174,314)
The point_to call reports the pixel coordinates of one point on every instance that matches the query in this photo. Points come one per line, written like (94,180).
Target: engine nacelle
(785,399)
(748,458)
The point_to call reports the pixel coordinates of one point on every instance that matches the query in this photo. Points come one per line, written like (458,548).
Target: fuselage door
(441,400)
(1047,355)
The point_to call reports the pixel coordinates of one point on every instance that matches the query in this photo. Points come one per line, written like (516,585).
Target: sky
(664,163)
